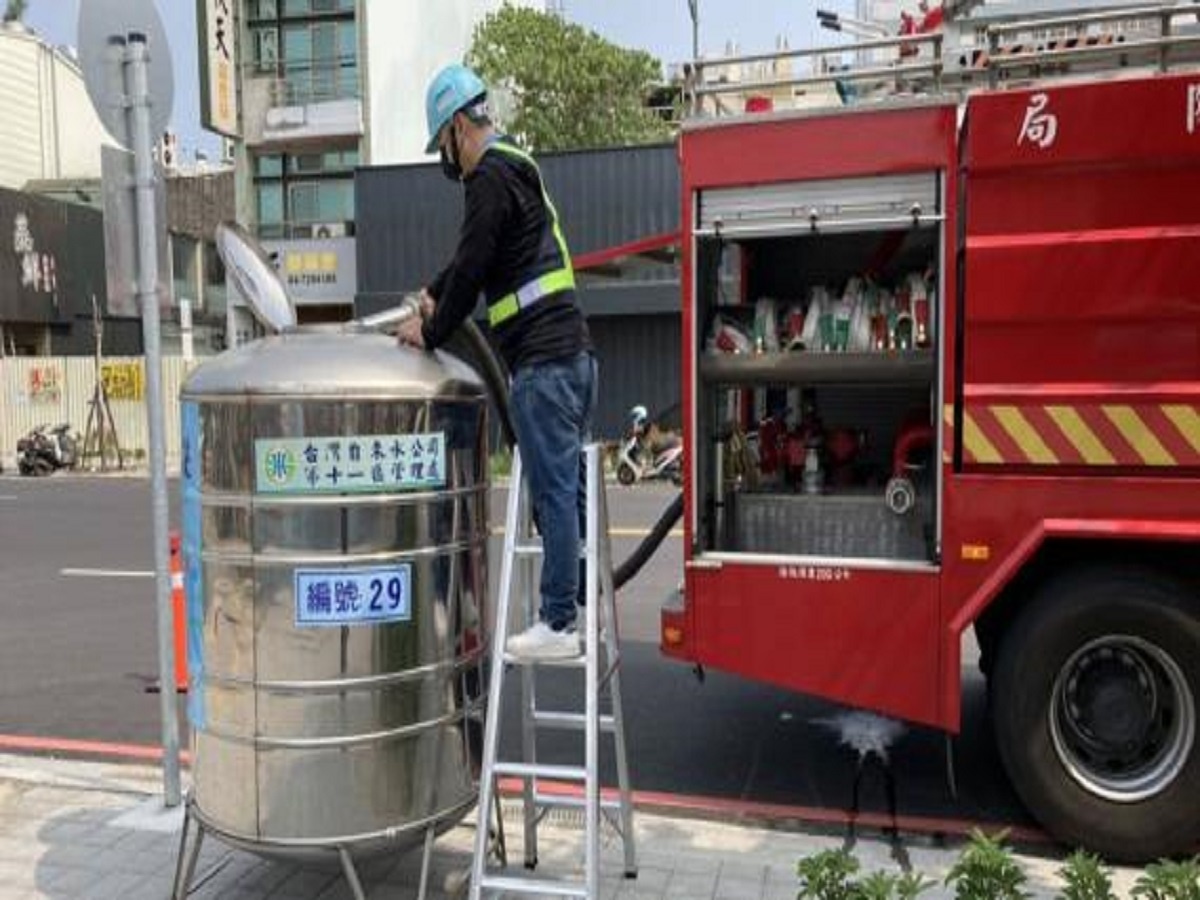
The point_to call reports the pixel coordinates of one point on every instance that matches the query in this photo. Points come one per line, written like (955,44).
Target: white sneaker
(540,641)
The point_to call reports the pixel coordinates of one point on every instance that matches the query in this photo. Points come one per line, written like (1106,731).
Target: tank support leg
(185,862)
(426,856)
(351,874)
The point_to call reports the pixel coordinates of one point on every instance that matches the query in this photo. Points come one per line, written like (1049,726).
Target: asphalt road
(77,652)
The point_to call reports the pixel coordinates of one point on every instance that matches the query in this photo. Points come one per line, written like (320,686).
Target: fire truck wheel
(1095,703)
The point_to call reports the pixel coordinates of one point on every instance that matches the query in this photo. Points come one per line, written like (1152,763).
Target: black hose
(650,543)
(495,377)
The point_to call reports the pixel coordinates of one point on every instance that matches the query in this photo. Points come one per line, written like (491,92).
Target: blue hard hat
(452,89)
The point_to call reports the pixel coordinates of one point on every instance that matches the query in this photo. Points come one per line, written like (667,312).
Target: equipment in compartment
(855,525)
(915,436)
(866,317)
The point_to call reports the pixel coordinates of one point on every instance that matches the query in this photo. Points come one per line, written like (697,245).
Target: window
(263,9)
(268,166)
(296,191)
(266,48)
(330,200)
(321,60)
(270,205)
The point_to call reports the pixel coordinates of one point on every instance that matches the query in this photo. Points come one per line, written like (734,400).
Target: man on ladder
(512,250)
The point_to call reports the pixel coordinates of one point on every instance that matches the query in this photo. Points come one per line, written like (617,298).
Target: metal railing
(935,63)
(318,81)
(1056,52)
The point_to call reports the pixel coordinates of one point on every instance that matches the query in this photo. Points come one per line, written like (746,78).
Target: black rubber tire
(1066,614)
(42,468)
(625,474)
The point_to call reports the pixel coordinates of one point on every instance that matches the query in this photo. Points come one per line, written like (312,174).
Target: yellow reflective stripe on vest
(552,282)
(511,304)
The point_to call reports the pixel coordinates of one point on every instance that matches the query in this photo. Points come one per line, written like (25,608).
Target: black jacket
(504,225)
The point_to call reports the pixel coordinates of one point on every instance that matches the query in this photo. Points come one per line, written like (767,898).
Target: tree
(568,87)
(15,11)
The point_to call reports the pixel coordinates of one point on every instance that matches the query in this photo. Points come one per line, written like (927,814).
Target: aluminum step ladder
(522,552)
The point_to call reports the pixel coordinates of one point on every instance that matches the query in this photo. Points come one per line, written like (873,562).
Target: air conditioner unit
(329,229)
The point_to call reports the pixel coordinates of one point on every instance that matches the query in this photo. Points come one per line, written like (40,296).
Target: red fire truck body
(1060,503)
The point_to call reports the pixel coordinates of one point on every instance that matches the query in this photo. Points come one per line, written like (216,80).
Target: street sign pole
(137,93)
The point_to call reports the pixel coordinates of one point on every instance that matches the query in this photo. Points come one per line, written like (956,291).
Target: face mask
(451,167)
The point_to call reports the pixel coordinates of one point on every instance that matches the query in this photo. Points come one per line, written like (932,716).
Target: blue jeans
(551,405)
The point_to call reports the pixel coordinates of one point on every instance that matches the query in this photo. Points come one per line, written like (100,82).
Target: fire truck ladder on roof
(997,51)
(521,553)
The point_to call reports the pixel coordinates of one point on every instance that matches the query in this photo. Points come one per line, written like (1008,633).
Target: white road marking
(105,573)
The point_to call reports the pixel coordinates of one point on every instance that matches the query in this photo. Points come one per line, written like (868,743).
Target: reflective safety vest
(553,262)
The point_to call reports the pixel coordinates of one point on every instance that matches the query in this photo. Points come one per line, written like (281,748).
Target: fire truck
(941,384)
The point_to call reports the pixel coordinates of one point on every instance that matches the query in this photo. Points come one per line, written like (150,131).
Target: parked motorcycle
(45,450)
(645,454)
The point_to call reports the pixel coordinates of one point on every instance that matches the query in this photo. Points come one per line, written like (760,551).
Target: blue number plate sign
(359,596)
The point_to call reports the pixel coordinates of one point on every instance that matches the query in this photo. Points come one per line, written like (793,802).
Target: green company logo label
(279,466)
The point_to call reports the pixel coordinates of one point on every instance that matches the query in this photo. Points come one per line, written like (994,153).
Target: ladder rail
(592,675)
(612,638)
(495,684)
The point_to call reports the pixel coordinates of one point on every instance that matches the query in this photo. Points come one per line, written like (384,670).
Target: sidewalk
(74,830)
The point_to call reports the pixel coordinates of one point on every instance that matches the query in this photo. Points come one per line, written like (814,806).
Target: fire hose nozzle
(389,319)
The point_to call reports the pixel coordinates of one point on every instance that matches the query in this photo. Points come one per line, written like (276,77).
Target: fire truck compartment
(817,379)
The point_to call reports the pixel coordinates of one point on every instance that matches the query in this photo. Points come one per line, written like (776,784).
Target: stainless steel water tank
(335,540)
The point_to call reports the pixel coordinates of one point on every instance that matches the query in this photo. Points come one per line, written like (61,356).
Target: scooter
(45,450)
(637,462)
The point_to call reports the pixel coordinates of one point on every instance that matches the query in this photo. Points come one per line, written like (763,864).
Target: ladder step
(535,770)
(571,662)
(533,548)
(532,886)
(569,721)
(566,802)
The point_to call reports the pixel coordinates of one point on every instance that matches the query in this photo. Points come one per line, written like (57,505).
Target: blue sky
(667,33)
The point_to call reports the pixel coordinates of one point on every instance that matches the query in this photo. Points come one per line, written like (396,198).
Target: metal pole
(694,9)
(137,93)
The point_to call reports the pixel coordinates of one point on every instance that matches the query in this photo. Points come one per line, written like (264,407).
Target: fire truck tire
(1096,707)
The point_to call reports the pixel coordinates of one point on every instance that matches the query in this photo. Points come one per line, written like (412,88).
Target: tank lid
(254,278)
(333,362)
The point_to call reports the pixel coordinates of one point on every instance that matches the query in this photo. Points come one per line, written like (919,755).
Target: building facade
(48,128)
(327,86)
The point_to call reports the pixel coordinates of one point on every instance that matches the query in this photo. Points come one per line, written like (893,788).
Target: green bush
(830,876)
(985,870)
(1086,878)
(1167,880)
(827,876)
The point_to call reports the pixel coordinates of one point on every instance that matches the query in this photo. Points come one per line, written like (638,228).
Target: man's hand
(409,333)
(427,303)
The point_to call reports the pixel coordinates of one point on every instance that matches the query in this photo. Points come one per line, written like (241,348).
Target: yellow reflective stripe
(1141,438)
(1082,438)
(1024,435)
(557,229)
(1187,420)
(510,304)
(977,444)
(504,308)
